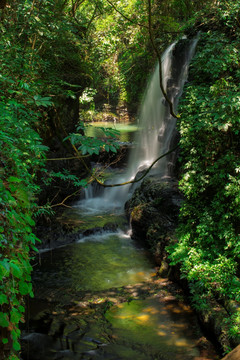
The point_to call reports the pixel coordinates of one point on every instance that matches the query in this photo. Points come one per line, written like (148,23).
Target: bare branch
(62,203)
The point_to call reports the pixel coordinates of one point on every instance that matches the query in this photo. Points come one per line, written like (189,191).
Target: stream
(100,297)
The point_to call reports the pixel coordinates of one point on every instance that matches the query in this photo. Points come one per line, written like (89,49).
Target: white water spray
(157,128)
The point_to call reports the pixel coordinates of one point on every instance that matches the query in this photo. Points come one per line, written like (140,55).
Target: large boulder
(153,211)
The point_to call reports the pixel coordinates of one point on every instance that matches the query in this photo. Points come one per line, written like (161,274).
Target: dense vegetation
(53,52)
(208,248)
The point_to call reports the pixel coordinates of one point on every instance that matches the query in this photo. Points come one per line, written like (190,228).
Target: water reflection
(96,262)
(126,130)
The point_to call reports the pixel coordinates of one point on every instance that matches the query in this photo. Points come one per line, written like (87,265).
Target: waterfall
(158,128)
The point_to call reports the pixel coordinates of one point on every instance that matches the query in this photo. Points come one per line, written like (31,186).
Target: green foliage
(53,50)
(23,101)
(209,243)
(89,145)
(43,62)
(21,157)
(66,176)
(119,47)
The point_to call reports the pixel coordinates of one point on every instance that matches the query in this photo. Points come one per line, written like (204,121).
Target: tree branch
(145,173)
(92,18)
(67,158)
(75,6)
(62,203)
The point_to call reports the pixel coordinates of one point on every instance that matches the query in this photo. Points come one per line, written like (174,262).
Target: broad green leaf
(16,270)
(24,287)
(14,179)
(3,319)
(15,316)
(113,149)
(21,308)
(4,268)
(3,299)
(16,345)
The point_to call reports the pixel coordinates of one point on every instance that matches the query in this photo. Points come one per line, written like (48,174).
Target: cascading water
(75,284)
(157,124)
(157,134)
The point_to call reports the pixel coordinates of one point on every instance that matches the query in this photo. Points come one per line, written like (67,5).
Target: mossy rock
(153,210)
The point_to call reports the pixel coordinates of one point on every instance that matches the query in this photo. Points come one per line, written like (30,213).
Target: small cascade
(158,128)
(88,192)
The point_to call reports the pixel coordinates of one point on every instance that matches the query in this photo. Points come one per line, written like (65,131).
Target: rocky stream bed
(99,295)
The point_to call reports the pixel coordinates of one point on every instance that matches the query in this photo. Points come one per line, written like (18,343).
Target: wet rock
(55,235)
(72,224)
(63,354)
(153,211)
(95,230)
(110,227)
(35,346)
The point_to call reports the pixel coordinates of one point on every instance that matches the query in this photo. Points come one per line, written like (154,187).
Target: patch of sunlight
(163,312)
(151,310)
(163,326)
(174,309)
(153,274)
(161,333)
(180,326)
(139,276)
(123,317)
(186,308)
(182,342)
(99,301)
(143,318)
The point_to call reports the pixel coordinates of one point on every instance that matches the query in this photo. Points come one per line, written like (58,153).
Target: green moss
(137,212)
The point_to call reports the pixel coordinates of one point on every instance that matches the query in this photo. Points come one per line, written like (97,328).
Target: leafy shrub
(209,243)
